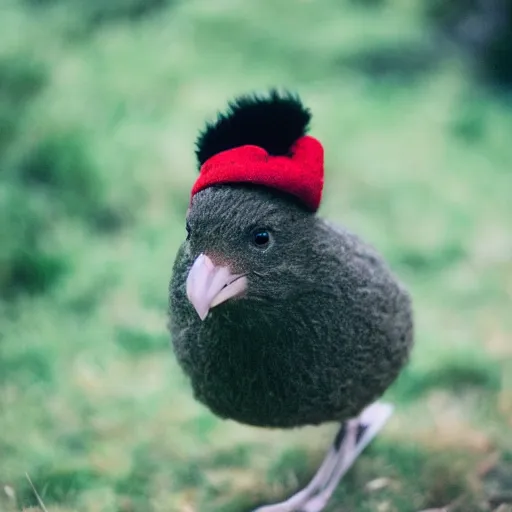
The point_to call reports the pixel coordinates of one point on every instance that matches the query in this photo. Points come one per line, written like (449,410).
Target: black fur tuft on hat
(273,122)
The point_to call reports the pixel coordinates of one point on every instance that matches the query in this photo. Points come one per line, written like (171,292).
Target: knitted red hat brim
(301,174)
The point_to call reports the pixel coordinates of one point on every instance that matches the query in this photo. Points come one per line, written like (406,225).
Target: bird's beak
(208,285)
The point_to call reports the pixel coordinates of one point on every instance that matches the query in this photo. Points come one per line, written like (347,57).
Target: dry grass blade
(39,500)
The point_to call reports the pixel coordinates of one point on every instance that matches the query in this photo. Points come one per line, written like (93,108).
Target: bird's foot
(352,438)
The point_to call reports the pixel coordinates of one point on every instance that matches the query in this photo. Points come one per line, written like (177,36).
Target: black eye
(260,237)
(188,231)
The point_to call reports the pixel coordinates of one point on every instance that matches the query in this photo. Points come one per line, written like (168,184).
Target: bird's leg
(360,432)
(351,439)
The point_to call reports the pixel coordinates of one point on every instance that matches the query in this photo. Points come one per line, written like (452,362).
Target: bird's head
(246,242)
(251,220)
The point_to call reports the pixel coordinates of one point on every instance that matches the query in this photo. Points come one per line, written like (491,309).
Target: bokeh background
(100,104)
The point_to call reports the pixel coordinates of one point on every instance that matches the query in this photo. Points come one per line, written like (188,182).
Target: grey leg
(350,441)
(322,475)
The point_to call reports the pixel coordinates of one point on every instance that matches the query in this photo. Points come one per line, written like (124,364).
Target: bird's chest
(252,376)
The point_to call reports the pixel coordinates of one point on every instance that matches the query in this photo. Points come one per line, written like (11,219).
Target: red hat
(262,141)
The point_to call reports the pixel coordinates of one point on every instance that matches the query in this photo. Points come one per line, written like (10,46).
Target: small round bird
(280,318)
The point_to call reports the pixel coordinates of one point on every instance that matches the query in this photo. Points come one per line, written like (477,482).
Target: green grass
(96,162)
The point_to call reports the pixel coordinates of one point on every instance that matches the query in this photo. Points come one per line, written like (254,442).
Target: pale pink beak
(209,285)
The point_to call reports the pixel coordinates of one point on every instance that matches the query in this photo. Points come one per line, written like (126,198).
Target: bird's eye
(260,238)
(188,231)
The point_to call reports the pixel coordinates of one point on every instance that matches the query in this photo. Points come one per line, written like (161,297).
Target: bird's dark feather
(325,327)
(273,122)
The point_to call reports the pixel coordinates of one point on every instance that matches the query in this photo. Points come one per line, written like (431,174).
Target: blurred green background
(100,104)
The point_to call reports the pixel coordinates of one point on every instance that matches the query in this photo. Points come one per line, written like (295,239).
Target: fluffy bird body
(322,332)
